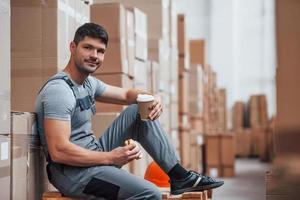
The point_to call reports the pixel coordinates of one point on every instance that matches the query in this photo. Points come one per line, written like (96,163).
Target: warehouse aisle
(248,184)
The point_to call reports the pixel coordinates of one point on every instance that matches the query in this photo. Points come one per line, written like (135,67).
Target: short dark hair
(91,30)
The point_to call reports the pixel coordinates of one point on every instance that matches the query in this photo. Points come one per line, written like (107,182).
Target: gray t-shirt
(57,101)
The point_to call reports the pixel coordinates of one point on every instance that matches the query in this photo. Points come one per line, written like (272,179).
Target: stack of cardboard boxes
(41,32)
(183,93)
(29,178)
(252,128)
(125,63)
(259,123)
(220,155)
(242,134)
(5,136)
(219,142)
(174,73)
(147,32)
(196,96)
(115,69)
(286,165)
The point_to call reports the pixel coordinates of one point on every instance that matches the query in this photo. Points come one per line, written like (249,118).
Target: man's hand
(123,155)
(156,108)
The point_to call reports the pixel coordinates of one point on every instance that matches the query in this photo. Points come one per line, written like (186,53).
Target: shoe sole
(198,188)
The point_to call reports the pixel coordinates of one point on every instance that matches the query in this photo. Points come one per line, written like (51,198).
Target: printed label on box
(4,151)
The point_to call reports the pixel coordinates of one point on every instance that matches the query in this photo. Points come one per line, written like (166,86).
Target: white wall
(197,17)
(254,49)
(241,43)
(220,54)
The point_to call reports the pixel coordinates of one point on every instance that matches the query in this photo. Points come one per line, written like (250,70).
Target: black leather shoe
(194,182)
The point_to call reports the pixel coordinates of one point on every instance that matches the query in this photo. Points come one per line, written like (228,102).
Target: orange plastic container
(156,175)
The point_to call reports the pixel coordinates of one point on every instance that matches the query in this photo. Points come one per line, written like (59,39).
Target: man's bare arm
(123,96)
(118,95)
(61,150)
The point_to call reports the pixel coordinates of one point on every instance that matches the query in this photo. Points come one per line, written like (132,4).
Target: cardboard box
(238,115)
(174,72)
(174,91)
(183,63)
(227,150)
(265,140)
(107,107)
(173,25)
(228,171)
(165,118)
(258,111)
(141,37)
(213,171)
(101,121)
(29,179)
(141,74)
(119,80)
(184,121)
(5,142)
(197,123)
(154,77)
(212,150)
(196,96)
(5,21)
(243,142)
(219,154)
(159,51)
(24,92)
(183,89)
(185,148)
(4,114)
(255,135)
(181,37)
(40,53)
(288,109)
(197,52)
(23,123)
(115,56)
(174,115)
(275,187)
(196,155)
(130,39)
(222,110)
(157,14)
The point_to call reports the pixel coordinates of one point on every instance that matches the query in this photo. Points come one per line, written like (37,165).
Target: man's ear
(72,47)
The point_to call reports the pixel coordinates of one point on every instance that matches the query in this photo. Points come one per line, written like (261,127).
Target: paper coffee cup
(144,103)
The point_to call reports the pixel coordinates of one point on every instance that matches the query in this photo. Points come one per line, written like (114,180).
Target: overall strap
(65,78)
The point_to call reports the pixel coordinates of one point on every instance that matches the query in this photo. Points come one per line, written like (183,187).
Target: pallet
(165,196)
(186,196)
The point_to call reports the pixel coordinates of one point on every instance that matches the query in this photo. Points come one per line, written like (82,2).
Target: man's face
(88,55)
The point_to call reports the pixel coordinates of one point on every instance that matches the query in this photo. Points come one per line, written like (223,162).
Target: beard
(87,66)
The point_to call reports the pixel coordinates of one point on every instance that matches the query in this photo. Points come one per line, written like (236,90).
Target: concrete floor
(248,184)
